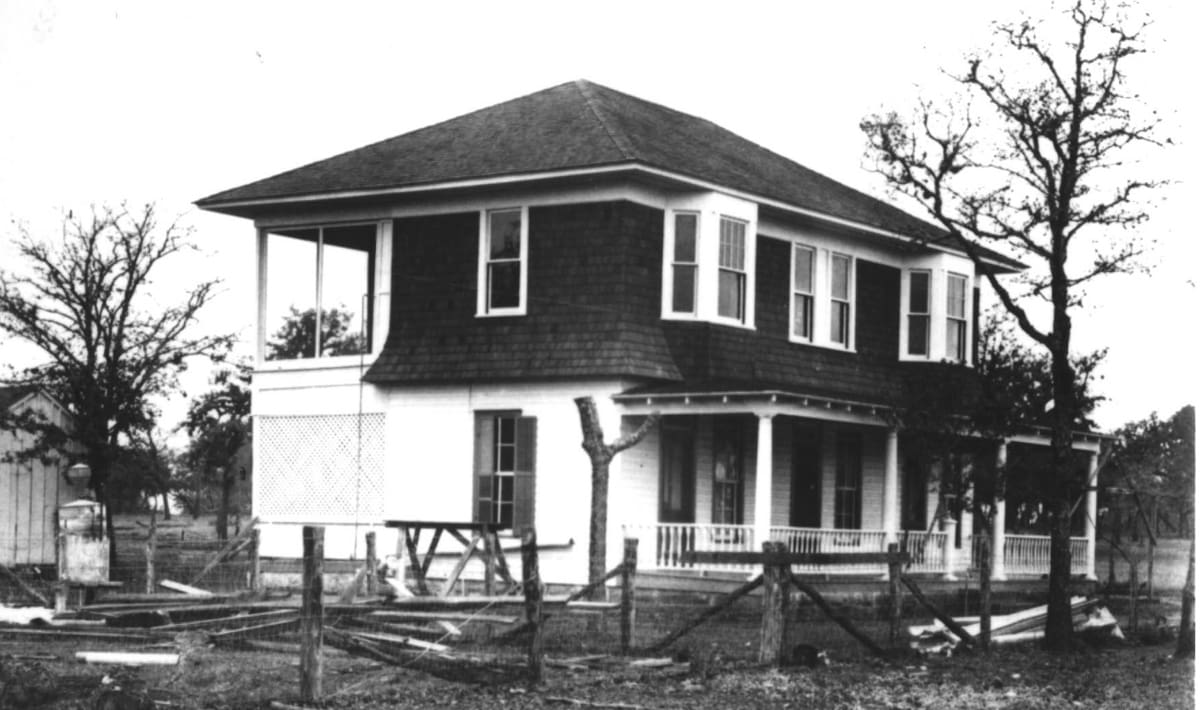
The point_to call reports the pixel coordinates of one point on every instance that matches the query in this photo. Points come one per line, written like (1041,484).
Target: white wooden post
(948,556)
(998,515)
(1089,524)
(763,470)
(891,486)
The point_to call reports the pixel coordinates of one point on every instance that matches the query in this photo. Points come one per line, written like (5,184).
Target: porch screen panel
(319,468)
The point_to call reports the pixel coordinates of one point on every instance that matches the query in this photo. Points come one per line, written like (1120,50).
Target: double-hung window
(503,259)
(803,261)
(684,265)
(956,317)
(505,455)
(918,313)
(731,273)
(840,286)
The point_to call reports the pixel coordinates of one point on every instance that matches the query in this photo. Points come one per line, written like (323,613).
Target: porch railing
(1023,554)
(671,540)
(818,540)
(1030,554)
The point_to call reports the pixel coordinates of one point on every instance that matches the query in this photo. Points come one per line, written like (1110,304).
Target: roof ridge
(620,140)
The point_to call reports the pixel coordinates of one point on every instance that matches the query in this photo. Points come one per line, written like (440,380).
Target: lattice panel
(319,468)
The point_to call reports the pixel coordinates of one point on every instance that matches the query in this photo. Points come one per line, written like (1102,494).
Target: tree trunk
(985,588)
(1059,626)
(601,455)
(1186,646)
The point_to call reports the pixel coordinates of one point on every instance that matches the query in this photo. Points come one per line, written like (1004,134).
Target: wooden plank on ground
(270,629)
(184,588)
(458,616)
(401,641)
(121,658)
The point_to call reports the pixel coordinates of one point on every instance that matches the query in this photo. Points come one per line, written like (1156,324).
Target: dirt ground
(711,668)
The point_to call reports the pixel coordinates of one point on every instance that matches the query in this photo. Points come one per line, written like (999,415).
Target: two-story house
(430,305)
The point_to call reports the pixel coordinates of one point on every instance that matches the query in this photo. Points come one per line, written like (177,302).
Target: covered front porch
(727,471)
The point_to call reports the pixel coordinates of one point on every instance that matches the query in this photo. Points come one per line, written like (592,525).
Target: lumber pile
(1025,625)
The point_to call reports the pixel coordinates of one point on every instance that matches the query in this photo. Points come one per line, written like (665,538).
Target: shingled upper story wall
(594,295)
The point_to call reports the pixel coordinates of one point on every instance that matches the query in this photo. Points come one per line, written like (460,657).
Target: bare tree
(84,298)
(601,454)
(1033,155)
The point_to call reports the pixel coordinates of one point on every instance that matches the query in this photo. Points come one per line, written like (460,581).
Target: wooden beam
(955,627)
(242,537)
(185,589)
(533,604)
(312,615)
(30,591)
(838,618)
(459,566)
(792,558)
(410,542)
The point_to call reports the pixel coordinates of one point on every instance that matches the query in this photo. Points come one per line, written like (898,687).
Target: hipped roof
(578,126)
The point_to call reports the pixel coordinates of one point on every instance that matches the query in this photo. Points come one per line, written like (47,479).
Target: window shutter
(485,439)
(523,479)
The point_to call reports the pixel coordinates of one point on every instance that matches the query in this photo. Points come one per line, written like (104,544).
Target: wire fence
(227,624)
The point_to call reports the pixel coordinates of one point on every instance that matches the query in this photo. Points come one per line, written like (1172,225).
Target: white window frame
(964,320)
(849,301)
(910,314)
(381,296)
(710,209)
(483,308)
(669,282)
(810,295)
(744,271)
(941,271)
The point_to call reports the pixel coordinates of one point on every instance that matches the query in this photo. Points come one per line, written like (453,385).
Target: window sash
(684,266)
(839,299)
(504,263)
(803,279)
(956,339)
(956,317)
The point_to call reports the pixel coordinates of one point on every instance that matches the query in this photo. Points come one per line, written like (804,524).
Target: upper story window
(317,288)
(803,284)
(956,317)
(684,265)
(918,314)
(840,278)
(935,322)
(708,262)
(731,275)
(503,261)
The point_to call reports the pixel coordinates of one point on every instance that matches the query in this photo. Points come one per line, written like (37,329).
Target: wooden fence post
(490,543)
(893,592)
(533,602)
(151,548)
(774,608)
(372,566)
(311,614)
(985,590)
(628,579)
(255,562)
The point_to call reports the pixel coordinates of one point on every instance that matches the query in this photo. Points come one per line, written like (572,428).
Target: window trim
(848,301)
(378,279)
(711,210)
(964,320)
(744,271)
(811,295)
(939,316)
(910,314)
(673,263)
(483,291)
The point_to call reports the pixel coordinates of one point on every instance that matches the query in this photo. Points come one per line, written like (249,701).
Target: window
(505,456)
(956,318)
(684,264)
(317,295)
(839,299)
(918,313)
(503,256)
(728,459)
(803,261)
(731,274)
(847,490)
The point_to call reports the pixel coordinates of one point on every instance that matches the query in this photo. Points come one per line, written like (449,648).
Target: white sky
(167,102)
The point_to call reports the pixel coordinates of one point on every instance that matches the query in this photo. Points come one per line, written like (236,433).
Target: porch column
(891,485)
(1089,524)
(948,552)
(998,516)
(763,470)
